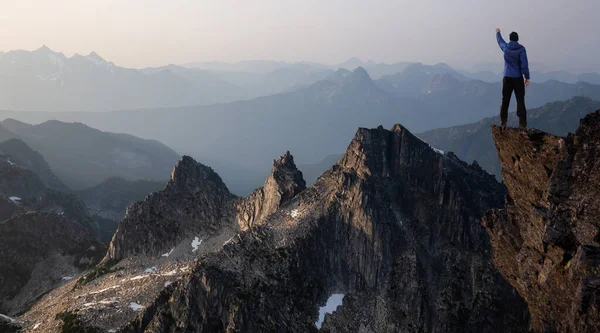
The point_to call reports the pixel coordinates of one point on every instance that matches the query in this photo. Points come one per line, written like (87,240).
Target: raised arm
(500,40)
(525,65)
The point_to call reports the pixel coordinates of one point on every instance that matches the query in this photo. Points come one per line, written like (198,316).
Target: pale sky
(140,33)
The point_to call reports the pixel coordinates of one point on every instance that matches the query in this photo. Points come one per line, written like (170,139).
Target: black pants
(516,84)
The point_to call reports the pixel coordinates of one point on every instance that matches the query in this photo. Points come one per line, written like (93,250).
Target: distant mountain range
(314,121)
(45,80)
(473,142)
(82,156)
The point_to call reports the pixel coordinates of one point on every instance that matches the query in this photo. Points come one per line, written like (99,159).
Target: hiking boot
(522,126)
(503,125)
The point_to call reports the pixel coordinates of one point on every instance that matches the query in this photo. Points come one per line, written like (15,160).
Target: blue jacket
(515,58)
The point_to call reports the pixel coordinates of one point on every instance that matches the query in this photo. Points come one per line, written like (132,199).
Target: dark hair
(514,36)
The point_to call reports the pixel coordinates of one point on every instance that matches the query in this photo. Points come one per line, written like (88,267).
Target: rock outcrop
(194,203)
(546,240)
(395,226)
(284,183)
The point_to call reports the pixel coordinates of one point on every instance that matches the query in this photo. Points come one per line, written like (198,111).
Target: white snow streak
(196,243)
(15,199)
(168,253)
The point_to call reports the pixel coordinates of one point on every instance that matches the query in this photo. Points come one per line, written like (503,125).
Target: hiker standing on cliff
(515,67)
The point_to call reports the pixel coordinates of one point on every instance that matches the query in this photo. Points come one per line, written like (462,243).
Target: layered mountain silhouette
(82,156)
(473,142)
(314,121)
(394,226)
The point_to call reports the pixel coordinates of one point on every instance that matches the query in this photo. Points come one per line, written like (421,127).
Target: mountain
(546,238)
(394,226)
(47,80)
(538,76)
(39,251)
(46,236)
(83,156)
(24,156)
(111,198)
(237,139)
(473,142)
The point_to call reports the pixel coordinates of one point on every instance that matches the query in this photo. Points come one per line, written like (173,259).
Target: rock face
(38,251)
(546,241)
(284,183)
(394,226)
(194,203)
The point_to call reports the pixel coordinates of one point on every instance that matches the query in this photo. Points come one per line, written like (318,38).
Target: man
(515,67)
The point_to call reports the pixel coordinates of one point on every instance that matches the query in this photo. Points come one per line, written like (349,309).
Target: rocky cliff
(394,226)
(546,240)
(194,204)
(284,183)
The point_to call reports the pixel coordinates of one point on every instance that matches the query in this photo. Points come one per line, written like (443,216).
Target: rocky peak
(284,183)
(194,203)
(546,240)
(192,176)
(394,226)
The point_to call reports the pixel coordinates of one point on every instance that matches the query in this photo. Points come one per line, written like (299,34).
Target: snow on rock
(439,151)
(168,253)
(294,213)
(168,283)
(36,326)
(196,243)
(228,241)
(332,304)
(67,278)
(105,289)
(10,320)
(135,306)
(151,270)
(15,199)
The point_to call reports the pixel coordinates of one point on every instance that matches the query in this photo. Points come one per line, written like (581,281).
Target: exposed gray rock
(284,183)
(394,225)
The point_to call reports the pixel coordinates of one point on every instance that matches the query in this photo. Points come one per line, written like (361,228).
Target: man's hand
(527,82)
(497,29)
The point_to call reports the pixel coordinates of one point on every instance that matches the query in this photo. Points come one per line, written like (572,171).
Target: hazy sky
(139,33)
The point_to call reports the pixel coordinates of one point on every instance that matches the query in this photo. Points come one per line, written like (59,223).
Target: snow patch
(15,199)
(196,243)
(135,306)
(10,320)
(139,277)
(36,326)
(166,255)
(294,213)
(331,306)
(439,151)
(229,241)
(151,270)
(105,289)
(67,278)
(168,283)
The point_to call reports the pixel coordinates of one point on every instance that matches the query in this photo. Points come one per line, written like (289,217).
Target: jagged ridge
(393,224)
(546,240)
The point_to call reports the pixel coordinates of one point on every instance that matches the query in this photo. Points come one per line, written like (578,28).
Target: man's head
(514,37)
